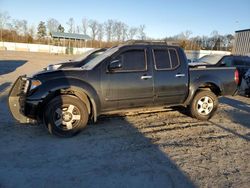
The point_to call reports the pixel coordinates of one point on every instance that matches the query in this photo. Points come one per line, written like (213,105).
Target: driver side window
(132,60)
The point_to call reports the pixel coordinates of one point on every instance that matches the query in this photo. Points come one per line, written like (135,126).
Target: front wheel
(203,105)
(65,116)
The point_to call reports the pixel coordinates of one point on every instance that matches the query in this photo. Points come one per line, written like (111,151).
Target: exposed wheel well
(210,86)
(79,94)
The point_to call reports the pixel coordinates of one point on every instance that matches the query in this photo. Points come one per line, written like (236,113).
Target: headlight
(34,84)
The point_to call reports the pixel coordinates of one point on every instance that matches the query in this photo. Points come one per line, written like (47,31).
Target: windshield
(95,61)
(210,59)
(86,54)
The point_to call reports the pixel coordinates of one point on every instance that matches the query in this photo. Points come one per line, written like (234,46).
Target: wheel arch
(215,87)
(83,91)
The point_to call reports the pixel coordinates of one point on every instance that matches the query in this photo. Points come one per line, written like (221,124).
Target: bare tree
(141,32)
(78,29)
(230,39)
(93,25)
(4,18)
(204,44)
(100,33)
(132,32)
(117,31)
(25,27)
(31,31)
(10,26)
(184,35)
(108,25)
(71,25)
(124,32)
(85,26)
(187,34)
(213,39)
(52,25)
(20,26)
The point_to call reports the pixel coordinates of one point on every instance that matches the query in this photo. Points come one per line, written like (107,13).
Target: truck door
(128,80)
(170,76)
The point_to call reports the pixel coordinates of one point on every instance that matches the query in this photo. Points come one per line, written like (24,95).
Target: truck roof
(150,42)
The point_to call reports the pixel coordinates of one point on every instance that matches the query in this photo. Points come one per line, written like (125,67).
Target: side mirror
(222,64)
(114,65)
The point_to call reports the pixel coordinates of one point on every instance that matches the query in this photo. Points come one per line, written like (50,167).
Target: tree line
(109,33)
(215,41)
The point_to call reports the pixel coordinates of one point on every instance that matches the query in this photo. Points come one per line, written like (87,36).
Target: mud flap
(15,101)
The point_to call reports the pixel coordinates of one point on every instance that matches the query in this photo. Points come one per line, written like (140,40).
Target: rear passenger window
(165,59)
(174,58)
(162,60)
(133,60)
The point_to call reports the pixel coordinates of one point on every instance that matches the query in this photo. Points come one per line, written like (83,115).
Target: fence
(41,48)
(191,54)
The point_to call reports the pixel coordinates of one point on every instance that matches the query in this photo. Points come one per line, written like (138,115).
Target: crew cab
(131,75)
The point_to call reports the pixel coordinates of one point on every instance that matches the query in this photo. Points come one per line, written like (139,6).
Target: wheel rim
(67,117)
(205,105)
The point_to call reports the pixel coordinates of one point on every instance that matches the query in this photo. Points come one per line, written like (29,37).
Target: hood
(44,72)
(61,65)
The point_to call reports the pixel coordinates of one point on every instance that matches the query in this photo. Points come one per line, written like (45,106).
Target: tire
(203,105)
(65,116)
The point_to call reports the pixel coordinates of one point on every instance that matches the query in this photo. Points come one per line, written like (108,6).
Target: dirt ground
(157,148)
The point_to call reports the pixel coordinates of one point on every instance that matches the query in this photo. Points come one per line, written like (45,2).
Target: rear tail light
(236,77)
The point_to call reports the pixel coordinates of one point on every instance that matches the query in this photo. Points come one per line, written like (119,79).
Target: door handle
(180,75)
(146,77)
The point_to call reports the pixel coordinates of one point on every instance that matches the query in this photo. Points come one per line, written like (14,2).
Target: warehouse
(242,42)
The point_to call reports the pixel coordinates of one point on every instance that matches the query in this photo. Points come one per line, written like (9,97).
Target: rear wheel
(65,116)
(203,105)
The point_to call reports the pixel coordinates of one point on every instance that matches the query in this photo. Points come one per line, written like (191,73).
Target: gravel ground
(149,148)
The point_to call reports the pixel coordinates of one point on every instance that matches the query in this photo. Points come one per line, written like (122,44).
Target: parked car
(207,60)
(245,86)
(80,61)
(134,75)
(242,63)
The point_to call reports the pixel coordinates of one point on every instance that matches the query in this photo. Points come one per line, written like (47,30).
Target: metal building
(242,42)
(68,38)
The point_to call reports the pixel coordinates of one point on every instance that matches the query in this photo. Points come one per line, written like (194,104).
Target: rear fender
(201,83)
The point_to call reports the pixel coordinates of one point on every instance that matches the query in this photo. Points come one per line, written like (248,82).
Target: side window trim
(145,61)
(170,59)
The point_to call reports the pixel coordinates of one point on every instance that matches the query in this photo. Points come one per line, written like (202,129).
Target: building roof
(242,30)
(74,36)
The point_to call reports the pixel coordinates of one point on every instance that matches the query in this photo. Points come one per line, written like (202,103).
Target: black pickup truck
(132,75)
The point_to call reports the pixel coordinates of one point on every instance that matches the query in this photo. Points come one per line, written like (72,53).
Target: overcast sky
(161,17)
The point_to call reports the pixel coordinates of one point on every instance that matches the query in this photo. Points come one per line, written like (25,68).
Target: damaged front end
(17,97)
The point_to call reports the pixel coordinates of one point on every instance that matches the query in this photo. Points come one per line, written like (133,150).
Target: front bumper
(17,100)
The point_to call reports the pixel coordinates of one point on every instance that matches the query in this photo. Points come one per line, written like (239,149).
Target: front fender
(49,88)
